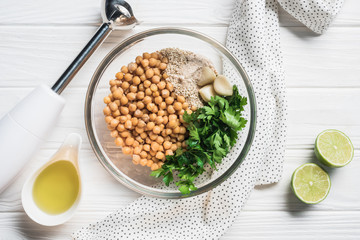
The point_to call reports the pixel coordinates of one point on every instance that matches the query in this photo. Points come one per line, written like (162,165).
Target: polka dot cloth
(253,36)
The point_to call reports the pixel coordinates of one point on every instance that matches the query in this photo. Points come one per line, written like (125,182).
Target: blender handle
(100,35)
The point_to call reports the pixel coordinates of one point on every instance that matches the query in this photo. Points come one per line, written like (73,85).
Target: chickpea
(160,155)
(138,113)
(185,106)
(131,96)
(152,153)
(143,77)
(140,105)
(113,106)
(189,111)
(129,141)
(156,130)
(147,147)
(128,77)
(172,124)
(134,121)
(165,119)
(108,119)
(170,109)
(112,82)
(178,106)
(139,71)
(165,93)
(127,150)
(153,87)
(169,86)
(145,63)
(141,124)
(149,163)
(159,140)
(150,106)
(156,71)
(140,95)
(143,135)
(167,145)
(128,124)
(136,80)
(153,136)
(107,111)
(110,127)
(169,100)
(138,59)
(114,123)
(155,146)
(123,100)
(119,141)
(114,133)
(181,112)
(159,120)
(148,140)
(149,73)
(169,152)
(124,110)
(162,105)
(137,150)
(113,88)
(145,117)
(146,55)
(147,100)
(161,85)
(181,137)
(119,75)
(162,66)
(178,144)
(124,69)
(116,113)
(139,130)
(193,108)
(143,162)
(154,167)
(158,100)
(136,159)
(155,55)
(148,92)
(125,85)
(152,62)
(107,100)
(155,79)
(143,154)
(150,126)
(152,117)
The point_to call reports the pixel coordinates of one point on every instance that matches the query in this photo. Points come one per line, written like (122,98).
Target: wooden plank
(331,60)
(156,12)
(249,225)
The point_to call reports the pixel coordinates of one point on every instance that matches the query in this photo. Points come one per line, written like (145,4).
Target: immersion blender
(26,126)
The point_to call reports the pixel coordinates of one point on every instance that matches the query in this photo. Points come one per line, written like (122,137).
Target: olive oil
(56,188)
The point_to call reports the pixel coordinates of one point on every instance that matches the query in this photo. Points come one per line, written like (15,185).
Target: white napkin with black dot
(254,37)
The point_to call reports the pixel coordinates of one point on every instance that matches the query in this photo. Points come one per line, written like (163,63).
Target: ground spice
(184,71)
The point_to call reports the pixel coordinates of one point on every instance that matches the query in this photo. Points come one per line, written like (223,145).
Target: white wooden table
(39,38)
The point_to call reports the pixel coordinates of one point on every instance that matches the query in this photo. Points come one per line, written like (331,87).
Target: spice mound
(184,71)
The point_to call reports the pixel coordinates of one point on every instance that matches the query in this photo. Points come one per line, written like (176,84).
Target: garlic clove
(222,86)
(207,76)
(207,92)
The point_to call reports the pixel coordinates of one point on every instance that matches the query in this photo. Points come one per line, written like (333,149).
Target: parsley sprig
(212,132)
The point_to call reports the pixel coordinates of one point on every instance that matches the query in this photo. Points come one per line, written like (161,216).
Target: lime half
(333,148)
(310,183)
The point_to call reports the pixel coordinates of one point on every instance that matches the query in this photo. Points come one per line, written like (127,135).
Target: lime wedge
(333,148)
(310,183)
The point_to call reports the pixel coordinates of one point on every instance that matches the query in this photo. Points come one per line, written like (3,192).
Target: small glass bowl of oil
(51,195)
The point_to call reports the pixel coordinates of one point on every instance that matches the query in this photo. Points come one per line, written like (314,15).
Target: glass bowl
(120,166)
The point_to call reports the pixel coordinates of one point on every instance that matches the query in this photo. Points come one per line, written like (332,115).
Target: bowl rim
(110,167)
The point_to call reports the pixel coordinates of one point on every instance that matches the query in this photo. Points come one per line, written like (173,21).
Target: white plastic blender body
(24,128)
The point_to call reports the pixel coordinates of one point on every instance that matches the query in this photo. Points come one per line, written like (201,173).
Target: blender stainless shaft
(100,35)
(116,14)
